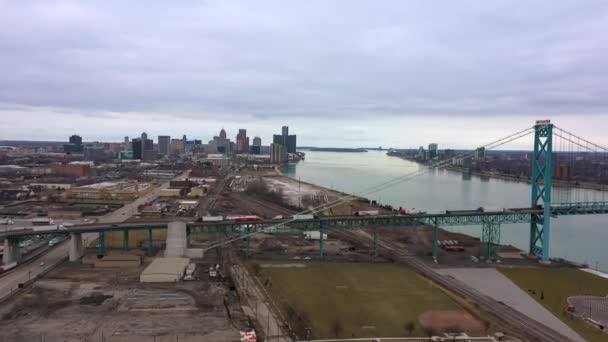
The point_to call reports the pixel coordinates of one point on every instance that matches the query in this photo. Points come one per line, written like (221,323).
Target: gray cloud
(314,60)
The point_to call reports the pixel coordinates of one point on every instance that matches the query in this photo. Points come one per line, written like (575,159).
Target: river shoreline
(556,183)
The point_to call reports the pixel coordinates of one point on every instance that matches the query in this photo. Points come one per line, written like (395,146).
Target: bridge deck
(448,218)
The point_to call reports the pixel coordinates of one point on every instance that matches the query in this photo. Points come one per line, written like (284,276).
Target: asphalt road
(59,252)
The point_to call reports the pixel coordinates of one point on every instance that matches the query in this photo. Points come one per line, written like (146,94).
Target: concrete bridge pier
(76,249)
(12,251)
(177,242)
(177,239)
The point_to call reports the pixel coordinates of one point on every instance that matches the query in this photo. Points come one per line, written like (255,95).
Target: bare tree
(409,327)
(256,269)
(429,331)
(336,327)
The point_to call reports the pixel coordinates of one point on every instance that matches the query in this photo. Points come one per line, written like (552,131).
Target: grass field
(557,284)
(358,299)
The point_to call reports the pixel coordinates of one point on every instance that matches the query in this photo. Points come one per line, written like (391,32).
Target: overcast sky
(339,73)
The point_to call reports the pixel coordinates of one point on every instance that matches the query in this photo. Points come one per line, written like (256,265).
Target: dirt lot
(295,246)
(77,302)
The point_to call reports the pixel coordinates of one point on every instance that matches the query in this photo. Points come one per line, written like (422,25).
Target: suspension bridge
(553,147)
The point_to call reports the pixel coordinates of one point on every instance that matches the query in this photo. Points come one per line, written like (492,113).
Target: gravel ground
(494,284)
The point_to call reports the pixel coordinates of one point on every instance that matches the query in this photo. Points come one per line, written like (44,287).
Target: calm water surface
(578,238)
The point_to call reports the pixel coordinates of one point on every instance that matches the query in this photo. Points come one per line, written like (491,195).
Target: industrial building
(119,191)
(72,170)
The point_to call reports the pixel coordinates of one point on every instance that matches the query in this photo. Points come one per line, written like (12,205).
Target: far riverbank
(556,182)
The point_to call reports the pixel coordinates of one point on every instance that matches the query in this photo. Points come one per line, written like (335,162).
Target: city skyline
(380,76)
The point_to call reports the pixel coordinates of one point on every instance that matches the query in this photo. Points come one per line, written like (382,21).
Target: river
(577,238)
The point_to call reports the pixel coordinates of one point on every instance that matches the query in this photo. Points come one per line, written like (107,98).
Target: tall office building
(242,142)
(480,152)
(164,144)
(278,153)
(177,147)
(74,145)
(220,144)
(126,140)
(76,140)
(289,141)
(421,155)
(256,147)
(432,150)
(147,147)
(136,148)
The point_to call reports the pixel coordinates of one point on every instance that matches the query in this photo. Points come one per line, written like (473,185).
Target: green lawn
(557,284)
(367,299)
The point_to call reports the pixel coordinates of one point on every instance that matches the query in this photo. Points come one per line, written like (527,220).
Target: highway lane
(59,252)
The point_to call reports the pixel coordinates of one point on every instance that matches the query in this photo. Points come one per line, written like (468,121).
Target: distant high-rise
(480,152)
(432,150)
(137,148)
(257,145)
(278,153)
(289,141)
(242,142)
(421,153)
(147,147)
(74,145)
(223,134)
(177,147)
(76,140)
(126,140)
(164,144)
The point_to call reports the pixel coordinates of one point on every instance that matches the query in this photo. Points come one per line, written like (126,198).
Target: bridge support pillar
(321,242)
(490,240)
(76,249)
(435,241)
(541,182)
(177,240)
(248,242)
(125,240)
(150,250)
(376,242)
(12,251)
(102,244)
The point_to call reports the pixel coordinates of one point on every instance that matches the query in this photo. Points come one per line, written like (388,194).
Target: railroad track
(511,317)
(264,203)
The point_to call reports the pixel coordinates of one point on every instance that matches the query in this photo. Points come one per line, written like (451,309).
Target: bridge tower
(541,182)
